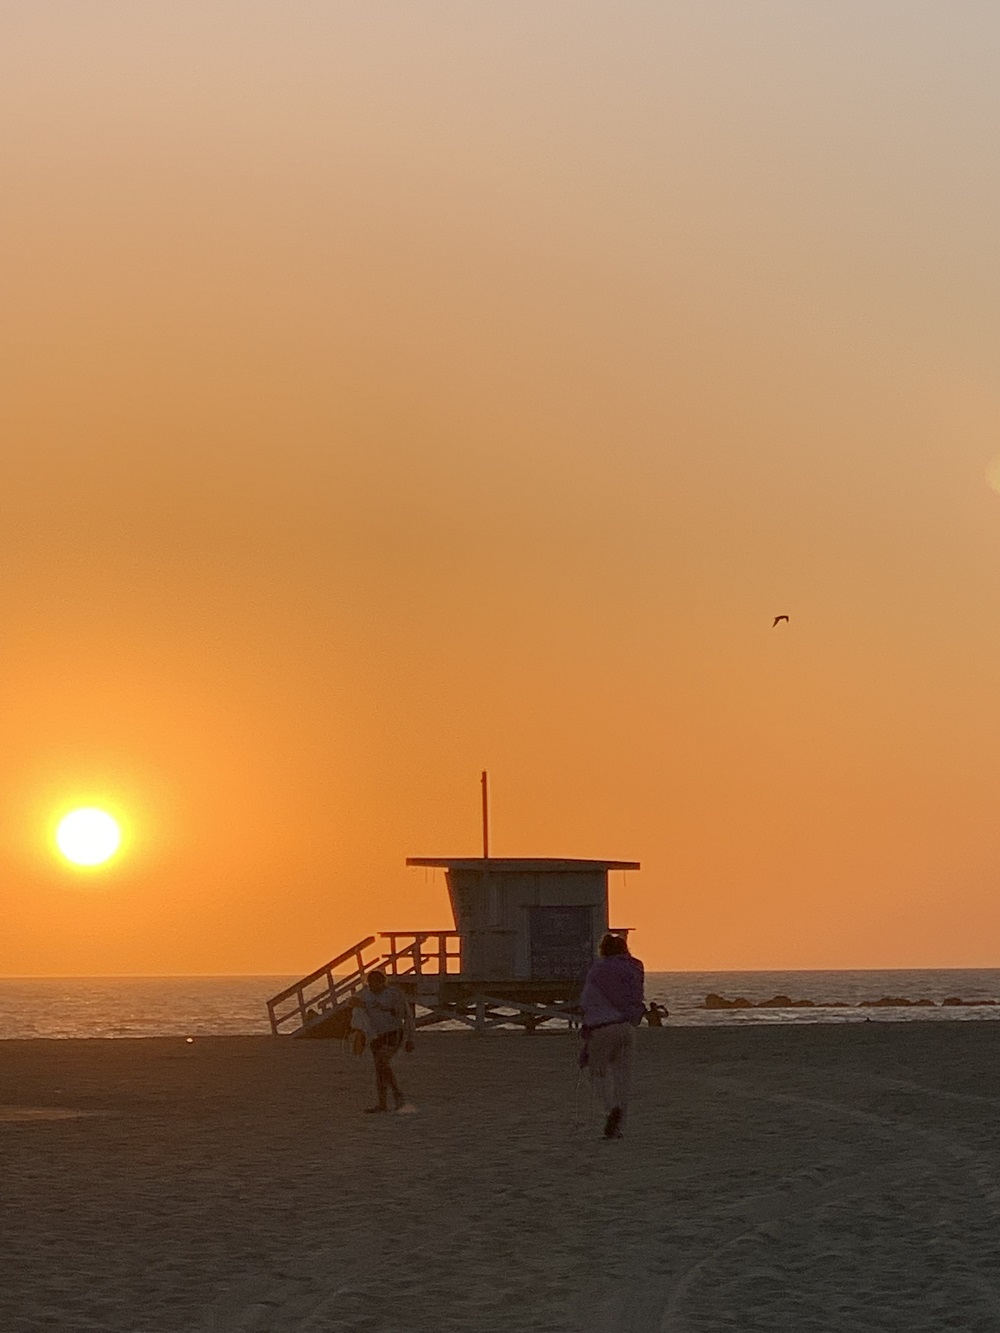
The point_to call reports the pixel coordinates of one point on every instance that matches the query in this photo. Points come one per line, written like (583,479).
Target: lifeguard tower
(525,932)
(526,921)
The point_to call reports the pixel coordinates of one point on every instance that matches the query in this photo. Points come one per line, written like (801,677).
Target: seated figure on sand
(612,1003)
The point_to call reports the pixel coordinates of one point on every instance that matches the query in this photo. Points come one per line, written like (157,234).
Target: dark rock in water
(953,1000)
(837,1004)
(713,1001)
(888,1002)
(968,1004)
(923,1004)
(803,1004)
(777,1002)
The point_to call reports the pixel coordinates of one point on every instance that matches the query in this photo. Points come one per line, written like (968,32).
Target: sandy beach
(827,1178)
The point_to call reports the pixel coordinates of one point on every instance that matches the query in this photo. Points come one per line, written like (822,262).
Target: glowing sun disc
(88,837)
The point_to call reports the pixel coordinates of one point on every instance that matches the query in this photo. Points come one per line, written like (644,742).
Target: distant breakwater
(713,1001)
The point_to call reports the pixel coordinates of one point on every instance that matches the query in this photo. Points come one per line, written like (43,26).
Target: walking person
(388,1020)
(613,1005)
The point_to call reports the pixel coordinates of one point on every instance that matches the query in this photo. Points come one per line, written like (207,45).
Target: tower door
(562,942)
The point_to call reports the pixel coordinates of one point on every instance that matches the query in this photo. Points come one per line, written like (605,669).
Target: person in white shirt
(388,1019)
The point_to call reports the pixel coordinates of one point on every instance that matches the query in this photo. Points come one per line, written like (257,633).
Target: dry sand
(822,1177)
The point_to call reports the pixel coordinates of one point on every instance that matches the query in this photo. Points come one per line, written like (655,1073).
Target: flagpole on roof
(485,782)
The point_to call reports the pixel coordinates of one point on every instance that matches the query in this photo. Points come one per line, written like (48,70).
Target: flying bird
(777,620)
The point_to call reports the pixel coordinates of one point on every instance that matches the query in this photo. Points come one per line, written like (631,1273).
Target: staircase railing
(418,957)
(321,990)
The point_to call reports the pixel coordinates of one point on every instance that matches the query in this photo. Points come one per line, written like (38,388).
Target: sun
(88,836)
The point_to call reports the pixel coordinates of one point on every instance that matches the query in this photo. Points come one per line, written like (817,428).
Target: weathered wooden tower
(518,919)
(525,931)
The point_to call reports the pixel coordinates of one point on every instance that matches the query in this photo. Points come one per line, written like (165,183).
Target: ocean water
(235,1006)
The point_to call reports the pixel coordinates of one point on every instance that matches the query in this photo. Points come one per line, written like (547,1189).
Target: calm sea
(234,1006)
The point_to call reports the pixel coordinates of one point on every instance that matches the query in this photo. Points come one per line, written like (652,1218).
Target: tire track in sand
(660,1305)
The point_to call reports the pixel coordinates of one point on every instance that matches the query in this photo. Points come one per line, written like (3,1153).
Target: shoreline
(742,1020)
(730,1018)
(153,1007)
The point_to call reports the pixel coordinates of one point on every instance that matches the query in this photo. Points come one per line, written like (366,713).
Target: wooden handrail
(335,986)
(418,953)
(328,996)
(356,951)
(422,935)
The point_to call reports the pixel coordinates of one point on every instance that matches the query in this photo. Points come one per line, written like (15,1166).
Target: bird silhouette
(777,620)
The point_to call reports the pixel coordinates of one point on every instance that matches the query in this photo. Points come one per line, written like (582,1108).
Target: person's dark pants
(383,1050)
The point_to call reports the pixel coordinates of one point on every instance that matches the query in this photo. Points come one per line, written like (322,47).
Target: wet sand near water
(801,1178)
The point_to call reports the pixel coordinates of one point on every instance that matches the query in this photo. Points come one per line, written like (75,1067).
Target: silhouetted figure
(389,1021)
(655,1014)
(778,619)
(612,1003)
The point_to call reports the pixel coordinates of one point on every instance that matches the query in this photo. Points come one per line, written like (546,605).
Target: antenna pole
(485,781)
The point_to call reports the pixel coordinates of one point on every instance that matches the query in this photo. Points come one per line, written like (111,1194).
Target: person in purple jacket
(613,1005)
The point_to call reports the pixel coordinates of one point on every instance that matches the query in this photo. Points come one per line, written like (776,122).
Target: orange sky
(393,391)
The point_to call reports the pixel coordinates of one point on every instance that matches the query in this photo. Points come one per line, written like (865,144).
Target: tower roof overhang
(531,865)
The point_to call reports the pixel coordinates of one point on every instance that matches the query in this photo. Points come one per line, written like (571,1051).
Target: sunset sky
(397,390)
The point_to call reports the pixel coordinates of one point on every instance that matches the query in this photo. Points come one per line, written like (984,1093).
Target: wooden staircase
(427,966)
(319,1005)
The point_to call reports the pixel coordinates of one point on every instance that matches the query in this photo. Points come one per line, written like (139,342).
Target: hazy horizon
(665,971)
